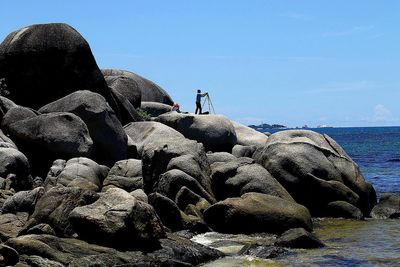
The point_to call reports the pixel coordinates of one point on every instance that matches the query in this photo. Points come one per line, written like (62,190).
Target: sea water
(348,242)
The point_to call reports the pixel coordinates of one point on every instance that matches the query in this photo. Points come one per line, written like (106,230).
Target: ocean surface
(348,242)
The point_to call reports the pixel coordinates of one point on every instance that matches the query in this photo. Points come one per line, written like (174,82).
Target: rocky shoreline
(84,181)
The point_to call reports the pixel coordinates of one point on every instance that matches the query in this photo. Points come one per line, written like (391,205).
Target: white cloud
(382,114)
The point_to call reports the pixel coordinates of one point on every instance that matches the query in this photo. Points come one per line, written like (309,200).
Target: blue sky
(289,62)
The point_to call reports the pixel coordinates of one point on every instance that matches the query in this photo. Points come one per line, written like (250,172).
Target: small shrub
(3,88)
(143,114)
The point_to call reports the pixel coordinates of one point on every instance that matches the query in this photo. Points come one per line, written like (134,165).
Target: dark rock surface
(44,62)
(388,207)
(155,109)
(343,209)
(22,201)
(13,162)
(125,174)
(215,132)
(12,225)
(167,210)
(264,252)
(299,238)
(315,170)
(256,212)
(237,177)
(47,137)
(157,144)
(119,220)
(54,207)
(150,92)
(126,86)
(110,142)
(77,172)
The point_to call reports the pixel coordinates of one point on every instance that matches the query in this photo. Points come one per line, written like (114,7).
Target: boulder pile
(85,182)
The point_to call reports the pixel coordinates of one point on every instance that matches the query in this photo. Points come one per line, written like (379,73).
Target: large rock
(5,105)
(167,210)
(388,207)
(47,250)
(119,220)
(191,166)
(47,137)
(157,144)
(216,132)
(126,86)
(77,172)
(343,209)
(54,207)
(219,157)
(150,91)
(155,109)
(125,174)
(237,177)
(256,212)
(299,238)
(44,62)
(12,225)
(22,201)
(172,181)
(109,138)
(315,170)
(247,136)
(14,162)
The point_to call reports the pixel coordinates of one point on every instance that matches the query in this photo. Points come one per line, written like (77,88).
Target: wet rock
(119,220)
(344,210)
(167,210)
(77,172)
(54,207)
(247,136)
(215,132)
(150,92)
(23,201)
(182,249)
(388,207)
(315,170)
(299,238)
(109,138)
(256,212)
(125,174)
(264,252)
(155,109)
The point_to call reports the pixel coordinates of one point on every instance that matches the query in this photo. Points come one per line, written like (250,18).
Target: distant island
(264,126)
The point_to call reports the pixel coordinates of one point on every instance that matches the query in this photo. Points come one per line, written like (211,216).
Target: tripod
(210,104)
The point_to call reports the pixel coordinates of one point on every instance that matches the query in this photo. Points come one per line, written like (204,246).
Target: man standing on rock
(198,101)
